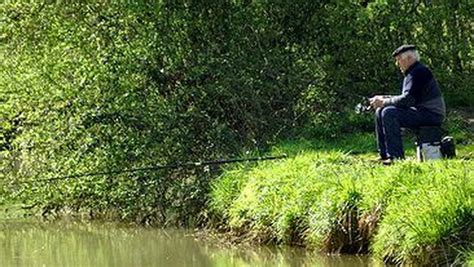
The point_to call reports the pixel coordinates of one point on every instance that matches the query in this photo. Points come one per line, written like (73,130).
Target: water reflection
(93,244)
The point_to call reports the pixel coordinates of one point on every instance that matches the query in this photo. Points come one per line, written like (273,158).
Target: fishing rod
(152,168)
(361,107)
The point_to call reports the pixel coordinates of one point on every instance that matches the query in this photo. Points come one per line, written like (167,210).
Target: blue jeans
(389,120)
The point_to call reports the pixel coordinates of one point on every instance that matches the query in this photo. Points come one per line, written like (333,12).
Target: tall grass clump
(430,222)
(294,201)
(273,198)
(407,213)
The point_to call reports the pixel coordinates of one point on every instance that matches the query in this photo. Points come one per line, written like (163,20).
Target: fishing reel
(363,106)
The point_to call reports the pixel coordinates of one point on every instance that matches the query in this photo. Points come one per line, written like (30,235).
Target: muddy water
(32,243)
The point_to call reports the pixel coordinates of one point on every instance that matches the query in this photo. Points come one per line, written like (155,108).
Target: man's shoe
(388,162)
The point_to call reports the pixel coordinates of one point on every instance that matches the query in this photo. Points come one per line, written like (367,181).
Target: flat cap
(402,49)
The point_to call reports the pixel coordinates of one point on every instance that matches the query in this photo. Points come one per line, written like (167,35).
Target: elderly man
(419,104)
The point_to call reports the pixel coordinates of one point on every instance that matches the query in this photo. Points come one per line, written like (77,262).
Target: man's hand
(377,101)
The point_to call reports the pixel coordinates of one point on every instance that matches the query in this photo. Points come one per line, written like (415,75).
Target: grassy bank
(333,200)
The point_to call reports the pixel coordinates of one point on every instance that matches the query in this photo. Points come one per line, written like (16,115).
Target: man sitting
(419,104)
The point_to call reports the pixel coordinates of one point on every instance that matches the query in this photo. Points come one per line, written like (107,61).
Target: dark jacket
(419,90)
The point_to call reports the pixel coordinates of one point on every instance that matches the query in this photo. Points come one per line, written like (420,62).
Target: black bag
(448,150)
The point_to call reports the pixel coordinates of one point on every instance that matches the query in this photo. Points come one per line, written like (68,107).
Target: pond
(65,243)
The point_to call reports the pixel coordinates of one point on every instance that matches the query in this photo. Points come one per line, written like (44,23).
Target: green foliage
(470,261)
(458,126)
(95,86)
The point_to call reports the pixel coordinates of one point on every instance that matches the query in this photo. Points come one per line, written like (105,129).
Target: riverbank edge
(262,204)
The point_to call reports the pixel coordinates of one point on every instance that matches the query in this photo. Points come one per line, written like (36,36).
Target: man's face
(401,63)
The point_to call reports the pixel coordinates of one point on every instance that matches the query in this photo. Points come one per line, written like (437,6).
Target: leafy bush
(93,87)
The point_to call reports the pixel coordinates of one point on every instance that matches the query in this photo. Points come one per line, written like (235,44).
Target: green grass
(329,196)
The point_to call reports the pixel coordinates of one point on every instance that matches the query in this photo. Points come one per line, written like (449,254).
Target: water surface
(33,243)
